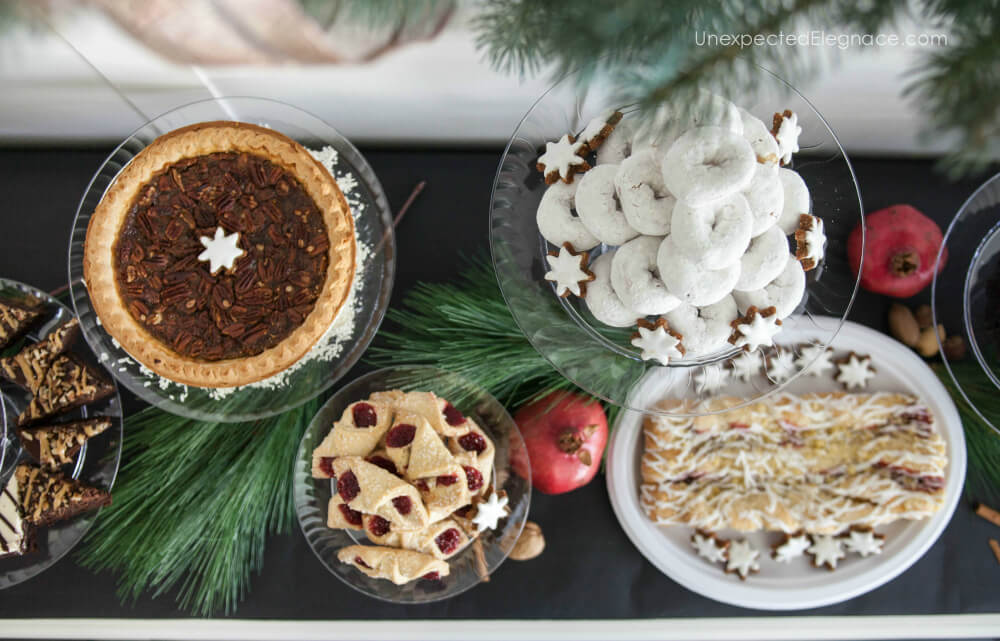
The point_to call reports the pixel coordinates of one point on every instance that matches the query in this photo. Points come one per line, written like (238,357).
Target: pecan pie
(220,254)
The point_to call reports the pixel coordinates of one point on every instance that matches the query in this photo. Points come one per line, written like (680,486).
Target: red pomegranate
(901,246)
(564,437)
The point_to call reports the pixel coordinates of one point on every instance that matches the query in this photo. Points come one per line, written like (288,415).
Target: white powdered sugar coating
(742,559)
(337,336)
(595,126)
(746,365)
(792,548)
(657,344)
(864,542)
(826,550)
(710,379)
(708,547)
(781,366)
(566,272)
(759,332)
(788,137)
(855,372)
(221,251)
(815,359)
(560,156)
(489,513)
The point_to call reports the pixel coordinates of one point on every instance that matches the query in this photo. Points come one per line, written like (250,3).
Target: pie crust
(112,212)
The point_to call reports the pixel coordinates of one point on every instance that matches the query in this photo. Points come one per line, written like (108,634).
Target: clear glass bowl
(600,359)
(95,464)
(313,495)
(966,294)
(333,355)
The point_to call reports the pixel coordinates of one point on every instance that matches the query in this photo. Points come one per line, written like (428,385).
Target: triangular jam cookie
(15,320)
(444,493)
(398,441)
(340,516)
(69,383)
(48,497)
(443,539)
(369,489)
(17,537)
(55,445)
(27,368)
(428,455)
(474,449)
(398,566)
(357,433)
(442,415)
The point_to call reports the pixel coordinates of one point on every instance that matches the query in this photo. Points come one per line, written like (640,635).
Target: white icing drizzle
(11,520)
(657,344)
(746,366)
(759,332)
(596,126)
(863,542)
(781,366)
(855,372)
(826,550)
(489,512)
(788,137)
(742,559)
(560,156)
(708,547)
(567,272)
(222,251)
(710,379)
(815,359)
(792,548)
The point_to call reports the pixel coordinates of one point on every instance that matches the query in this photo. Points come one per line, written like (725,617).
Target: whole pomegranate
(564,435)
(900,246)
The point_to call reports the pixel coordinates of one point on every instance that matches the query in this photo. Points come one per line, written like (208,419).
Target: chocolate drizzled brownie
(55,445)
(69,383)
(15,319)
(235,313)
(27,368)
(49,497)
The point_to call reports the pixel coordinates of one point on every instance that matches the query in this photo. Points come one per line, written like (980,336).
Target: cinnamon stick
(989,514)
(996,548)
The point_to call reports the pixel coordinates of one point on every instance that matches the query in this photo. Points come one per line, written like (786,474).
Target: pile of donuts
(703,228)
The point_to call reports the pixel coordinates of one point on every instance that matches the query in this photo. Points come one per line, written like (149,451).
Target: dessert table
(590,578)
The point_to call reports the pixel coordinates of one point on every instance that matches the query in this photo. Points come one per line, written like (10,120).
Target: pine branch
(194,505)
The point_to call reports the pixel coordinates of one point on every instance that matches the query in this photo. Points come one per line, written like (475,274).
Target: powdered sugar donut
(705,329)
(690,281)
(706,164)
(764,146)
(784,292)
(766,198)
(635,279)
(763,261)
(645,200)
(617,146)
(714,235)
(796,200)
(598,206)
(601,299)
(556,221)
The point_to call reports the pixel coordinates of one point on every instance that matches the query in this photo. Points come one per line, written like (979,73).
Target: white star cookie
(741,559)
(562,159)
(815,359)
(710,379)
(854,370)
(781,365)
(864,541)
(790,547)
(221,251)
(786,131)
(600,128)
(810,241)
(657,341)
(756,329)
(489,512)
(746,365)
(709,546)
(826,550)
(569,271)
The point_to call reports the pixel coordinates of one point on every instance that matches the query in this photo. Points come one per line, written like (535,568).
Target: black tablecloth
(589,569)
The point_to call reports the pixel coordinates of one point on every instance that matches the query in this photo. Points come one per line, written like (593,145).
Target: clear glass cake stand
(600,359)
(966,295)
(350,333)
